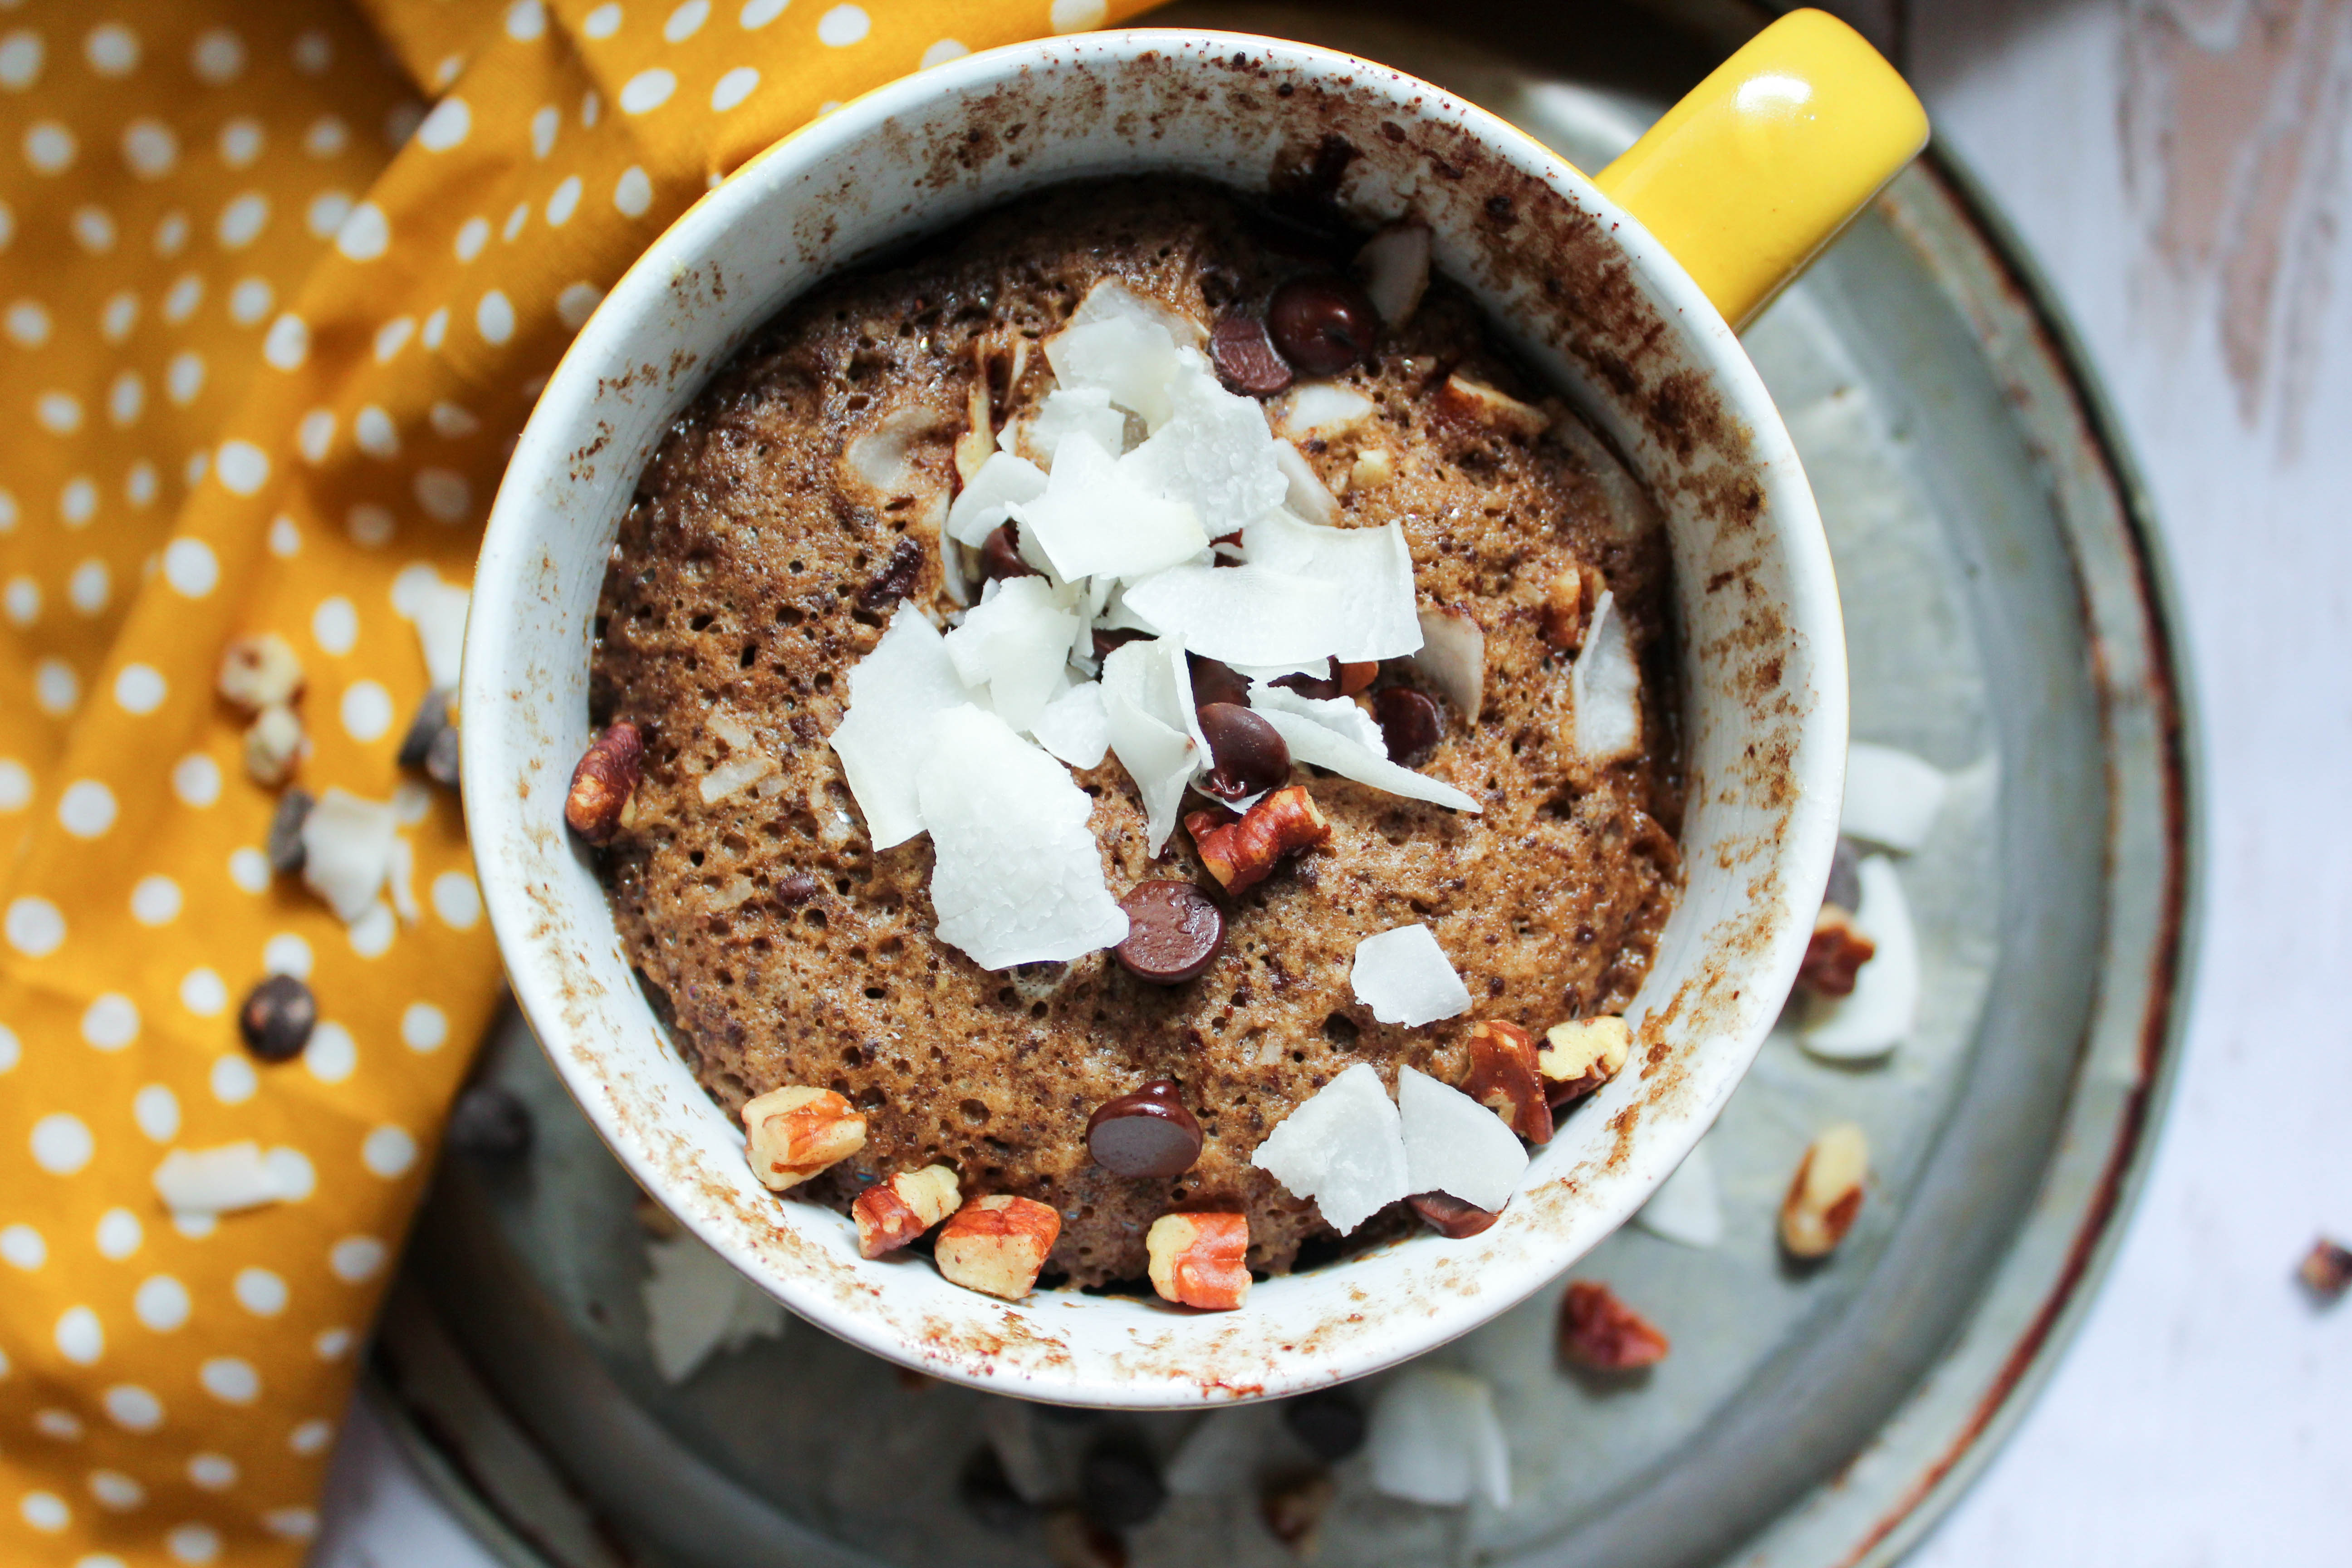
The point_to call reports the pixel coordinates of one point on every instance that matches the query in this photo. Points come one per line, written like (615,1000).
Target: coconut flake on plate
(1605,689)
(1147,694)
(1370,568)
(1393,266)
(1884,1003)
(1404,977)
(884,739)
(1455,1145)
(1311,728)
(1016,877)
(1100,517)
(1015,644)
(437,611)
(1321,408)
(1343,1147)
(223,1180)
(1453,656)
(697,1305)
(1004,482)
(347,850)
(1688,1207)
(1434,1439)
(1075,726)
(1891,796)
(1308,496)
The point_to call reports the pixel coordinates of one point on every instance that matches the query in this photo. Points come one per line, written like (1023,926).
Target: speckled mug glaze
(1590,301)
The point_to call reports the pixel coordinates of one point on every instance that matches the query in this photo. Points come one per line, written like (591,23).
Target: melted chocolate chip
(1330,1423)
(1000,556)
(1321,324)
(1250,754)
(1216,682)
(1174,931)
(1410,723)
(1449,1216)
(1245,357)
(1317,687)
(895,580)
(1145,1133)
(276,1018)
(1119,1485)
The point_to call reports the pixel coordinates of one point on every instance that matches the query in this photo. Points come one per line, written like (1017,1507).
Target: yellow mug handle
(1754,171)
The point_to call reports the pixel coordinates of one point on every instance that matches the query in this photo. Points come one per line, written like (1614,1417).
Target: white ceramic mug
(1593,301)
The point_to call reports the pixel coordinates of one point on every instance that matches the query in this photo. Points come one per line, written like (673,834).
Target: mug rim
(491,801)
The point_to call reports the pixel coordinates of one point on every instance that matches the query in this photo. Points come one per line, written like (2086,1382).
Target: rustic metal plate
(2007,619)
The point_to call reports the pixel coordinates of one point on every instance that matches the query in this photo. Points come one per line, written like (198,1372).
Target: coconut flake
(1241,615)
(1435,1439)
(1370,568)
(1630,514)
(882,454)
(437,610)
(1605,689)
(1343,716)
(1015,644)
(1129,356)
(1687,1207)
(1453,655)
(223,1180)
(1394,267)
(1099,517)
(883,740)
(1017,876)
(1004,482)
(1308,496)
(1324,408)
(1891,796)
(1313,741)
(736,772)
(1453,1144)
(1112,300)
(1404,977)
(1069,411)
(1884,1002)
(347,850)
(1343,1147)
(1074,727)
(1147,691)
(1214,452)
(697,1305)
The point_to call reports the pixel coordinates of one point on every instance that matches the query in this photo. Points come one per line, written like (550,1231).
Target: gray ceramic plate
(2007,620)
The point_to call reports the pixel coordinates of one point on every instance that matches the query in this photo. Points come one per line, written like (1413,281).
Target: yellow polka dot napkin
(279,283)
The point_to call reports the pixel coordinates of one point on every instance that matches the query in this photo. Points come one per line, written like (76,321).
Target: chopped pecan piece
(604,782)
(1200,1259)
(1600,1332)
(1835,953)
(1244,854)
(1826,1192)
(2326,1271)
(1505,1079)
(891,1213)
(797,1131)
(997,1245)
(1579,1056)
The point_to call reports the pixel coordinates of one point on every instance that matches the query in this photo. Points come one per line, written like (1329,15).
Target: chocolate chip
(797,889)
(1845,877)
(1410,723)
(895,580)
(1322,324)
(285,841)
(988,1496)
(1250,754)
(1449,1216)
(1000,555)
(1318,688)
(1216,682)
(1245,357)
(1145,1133)
(432,722)
(489,1122)
(1174,931)
(1119,1484)
(276,1018)
(1104,642)
(1330,1423)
